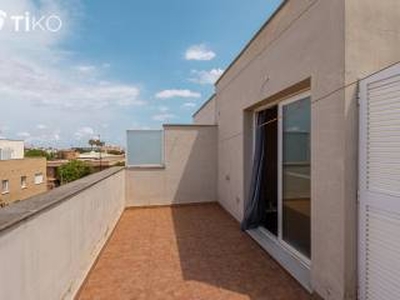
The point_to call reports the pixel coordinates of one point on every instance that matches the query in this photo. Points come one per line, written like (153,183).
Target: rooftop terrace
(185,252)
(141,232)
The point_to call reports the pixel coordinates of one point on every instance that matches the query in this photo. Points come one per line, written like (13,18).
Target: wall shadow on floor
(215,252)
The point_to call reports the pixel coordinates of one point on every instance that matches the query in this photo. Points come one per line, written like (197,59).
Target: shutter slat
(380,186)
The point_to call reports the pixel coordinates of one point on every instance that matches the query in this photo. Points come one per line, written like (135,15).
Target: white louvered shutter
(379,194)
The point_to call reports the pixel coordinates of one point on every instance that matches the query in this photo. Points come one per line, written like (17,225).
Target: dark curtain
(254,213)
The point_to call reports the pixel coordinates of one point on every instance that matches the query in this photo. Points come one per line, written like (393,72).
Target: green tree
(38,153)
(72,171)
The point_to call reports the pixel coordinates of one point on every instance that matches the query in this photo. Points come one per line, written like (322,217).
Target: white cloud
(84,132)
(41,126)
(136,126)
(85,69)
(42,82)
(24,134)
(199,52)
(163,117)
(163,108)
(189,105)
(36,72)
(91,70)
(48,87)
(44,138)
(206,77)
(166,94)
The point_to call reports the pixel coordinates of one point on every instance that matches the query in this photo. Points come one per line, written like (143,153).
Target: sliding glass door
(280,200)
(295,174)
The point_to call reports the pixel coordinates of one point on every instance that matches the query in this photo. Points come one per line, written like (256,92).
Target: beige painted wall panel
(372,37)
(312,47)
(333,43)
(372,43)
(207,114)
(302,51)
(327,209)
(229,177)
(189,174)
(145,187)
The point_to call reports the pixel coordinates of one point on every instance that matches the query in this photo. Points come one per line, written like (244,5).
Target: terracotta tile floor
(187,252)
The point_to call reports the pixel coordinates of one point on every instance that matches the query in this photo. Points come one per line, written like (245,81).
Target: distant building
(21,179)
(11,149)
(112,148)
(68,154)
(100,156)
(93,159)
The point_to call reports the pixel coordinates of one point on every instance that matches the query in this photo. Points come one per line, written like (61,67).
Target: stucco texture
(331,44)
(207,114)
(48,254)
(189,173)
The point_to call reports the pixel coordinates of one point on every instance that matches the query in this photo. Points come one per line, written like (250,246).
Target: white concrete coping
(16,213)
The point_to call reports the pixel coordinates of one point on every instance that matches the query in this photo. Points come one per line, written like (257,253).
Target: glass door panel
(296,175)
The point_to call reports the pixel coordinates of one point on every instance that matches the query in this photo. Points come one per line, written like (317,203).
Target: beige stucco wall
(372,44)
(333,43)
(189,174)
(47,256)
(12,170)
(207,115)
(292,48)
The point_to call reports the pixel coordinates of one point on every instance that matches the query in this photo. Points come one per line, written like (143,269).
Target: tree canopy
(73,170)
(38,153)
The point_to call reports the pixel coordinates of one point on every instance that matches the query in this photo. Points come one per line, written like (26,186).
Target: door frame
(305,261)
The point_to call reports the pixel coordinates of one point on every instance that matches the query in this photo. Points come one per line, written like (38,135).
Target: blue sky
(116,65)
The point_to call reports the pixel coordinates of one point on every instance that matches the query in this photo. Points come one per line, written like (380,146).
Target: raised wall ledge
(189,125)
(16,213)
(146,168)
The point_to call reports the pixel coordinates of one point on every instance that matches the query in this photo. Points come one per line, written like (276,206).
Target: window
(145,148)
(39,178)
(5,187)
(23,182)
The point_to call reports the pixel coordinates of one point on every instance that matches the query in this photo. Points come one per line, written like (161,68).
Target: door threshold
(291,263)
